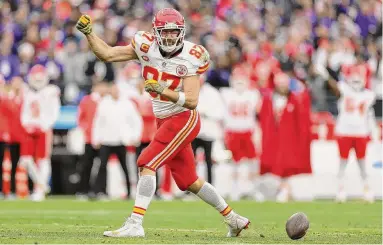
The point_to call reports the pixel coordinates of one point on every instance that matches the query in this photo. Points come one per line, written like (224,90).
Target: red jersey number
(239,110)
(352,106)
(152,73)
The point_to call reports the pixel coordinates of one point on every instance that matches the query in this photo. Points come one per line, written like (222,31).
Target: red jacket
(86,112)
(17,131)
(4,124)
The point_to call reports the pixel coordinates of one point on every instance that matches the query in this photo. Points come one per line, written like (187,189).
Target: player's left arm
(188,98)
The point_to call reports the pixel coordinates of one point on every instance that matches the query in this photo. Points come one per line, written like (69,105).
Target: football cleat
(130,228)
(341,197)
(368,196)
(236,224)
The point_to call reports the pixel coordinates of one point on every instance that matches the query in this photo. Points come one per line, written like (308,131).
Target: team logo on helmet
(144,57)
(181,70)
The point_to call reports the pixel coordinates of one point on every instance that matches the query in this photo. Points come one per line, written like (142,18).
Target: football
(297,226)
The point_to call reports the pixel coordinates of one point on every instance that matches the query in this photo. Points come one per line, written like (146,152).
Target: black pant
(206,145)
(14,150)
(85,168)
(139,149)
(105,152)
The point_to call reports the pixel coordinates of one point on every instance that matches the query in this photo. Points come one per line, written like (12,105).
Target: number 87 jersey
(190,60)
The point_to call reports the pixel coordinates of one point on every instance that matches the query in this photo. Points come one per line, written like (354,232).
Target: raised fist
(84,24)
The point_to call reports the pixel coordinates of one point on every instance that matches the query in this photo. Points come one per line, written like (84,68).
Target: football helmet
(169,29)
(38,77)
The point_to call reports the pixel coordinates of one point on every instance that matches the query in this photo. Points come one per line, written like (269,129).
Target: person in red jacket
(4,131)
(16,130)
(282,129)
(86,112)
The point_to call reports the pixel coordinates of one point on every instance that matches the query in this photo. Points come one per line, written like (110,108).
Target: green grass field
(70,221)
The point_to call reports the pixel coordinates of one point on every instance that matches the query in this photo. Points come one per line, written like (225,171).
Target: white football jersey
(241,109)
(353,109)
(192,60)
(41,108)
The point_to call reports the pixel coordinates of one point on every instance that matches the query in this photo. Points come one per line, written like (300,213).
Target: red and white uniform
(192,60)
(176,125)
(352,126)
(240,120)
(40,110)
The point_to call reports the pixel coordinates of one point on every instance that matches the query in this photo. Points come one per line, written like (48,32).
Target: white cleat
(341,197)
(131,228)
(259,197)
(37,196)
(283,196)
(368,196)
(236,224)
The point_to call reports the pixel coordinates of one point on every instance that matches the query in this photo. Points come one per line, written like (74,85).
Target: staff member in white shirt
(117,124)
(210,107)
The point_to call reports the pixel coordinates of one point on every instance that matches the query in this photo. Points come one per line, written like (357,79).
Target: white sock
(341,172)
(234,192)
(45,171)
(363,173)
(210,195)
(28,163)
(145,190)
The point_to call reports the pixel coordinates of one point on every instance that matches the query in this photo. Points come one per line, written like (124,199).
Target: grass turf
(70,221)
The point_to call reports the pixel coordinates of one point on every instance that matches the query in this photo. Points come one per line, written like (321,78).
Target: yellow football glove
(153,86)
(84,24)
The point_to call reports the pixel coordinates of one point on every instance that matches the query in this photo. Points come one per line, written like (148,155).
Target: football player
(241,107)
(171,67)
(354,125)
(39,112)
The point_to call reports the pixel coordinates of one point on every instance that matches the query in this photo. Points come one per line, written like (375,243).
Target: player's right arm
(101,49)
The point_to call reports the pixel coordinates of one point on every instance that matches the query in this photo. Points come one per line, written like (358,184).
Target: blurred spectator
(112,136)
(9,63)
(211,109)
(260,35)
(282,122)
(16,130)
(4,132)
(86,112)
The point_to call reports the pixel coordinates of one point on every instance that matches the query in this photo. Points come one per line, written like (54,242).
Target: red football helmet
(38,77)
(169,29)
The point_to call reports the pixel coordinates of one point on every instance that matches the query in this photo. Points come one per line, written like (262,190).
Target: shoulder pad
(52,90)
(142,41)
(199,57)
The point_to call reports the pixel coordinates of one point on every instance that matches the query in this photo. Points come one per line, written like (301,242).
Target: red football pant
(345,144)
(241,145)
(37,146)
(172,146)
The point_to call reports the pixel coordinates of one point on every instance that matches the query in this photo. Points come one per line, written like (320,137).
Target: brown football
(297,226)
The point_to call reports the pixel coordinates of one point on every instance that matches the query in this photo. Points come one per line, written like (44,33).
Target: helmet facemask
(169,37)
(356,82)
(38,81)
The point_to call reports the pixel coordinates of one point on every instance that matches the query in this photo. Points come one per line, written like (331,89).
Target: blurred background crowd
(311,40)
